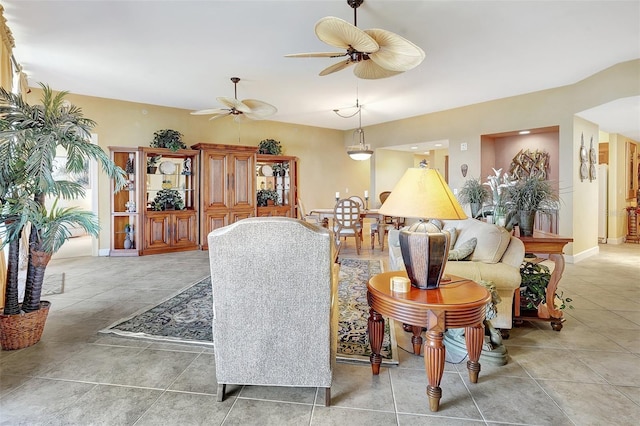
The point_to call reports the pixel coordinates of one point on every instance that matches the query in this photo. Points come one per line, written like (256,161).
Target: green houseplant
(533,289)
(152,163)
(168,199)
(29,138)
(167,138)
(270,146)
(529,195)
(264,195)
(474,193)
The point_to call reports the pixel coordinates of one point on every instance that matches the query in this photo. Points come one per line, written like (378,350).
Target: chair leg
(373,239)
(221,390)
(327,397)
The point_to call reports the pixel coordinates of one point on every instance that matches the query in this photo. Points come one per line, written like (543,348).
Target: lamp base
(425,250)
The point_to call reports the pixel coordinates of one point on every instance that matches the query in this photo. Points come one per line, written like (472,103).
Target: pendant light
(359,151)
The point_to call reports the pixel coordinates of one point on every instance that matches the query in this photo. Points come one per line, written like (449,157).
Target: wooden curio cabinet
(227,185)
(278,173)
(171,228)
(125,216)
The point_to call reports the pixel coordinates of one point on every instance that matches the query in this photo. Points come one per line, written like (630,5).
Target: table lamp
(422,193)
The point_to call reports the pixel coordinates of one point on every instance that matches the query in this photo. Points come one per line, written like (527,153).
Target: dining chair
(347,222)
(360,201)
(381,229)
(302,214)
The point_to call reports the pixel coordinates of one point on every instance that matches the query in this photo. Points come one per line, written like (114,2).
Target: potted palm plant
(474,194)
(29,138)
(528,196)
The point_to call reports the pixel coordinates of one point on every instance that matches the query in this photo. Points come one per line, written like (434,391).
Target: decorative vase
(152,170)
(127,242)
(475,209)
(526,219)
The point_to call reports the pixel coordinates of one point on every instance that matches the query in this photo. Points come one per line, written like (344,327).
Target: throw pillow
(464,250)
(453,236)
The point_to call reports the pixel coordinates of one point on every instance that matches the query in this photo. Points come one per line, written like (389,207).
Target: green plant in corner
(29,138)
(167,138)
(270,146)
(533,289)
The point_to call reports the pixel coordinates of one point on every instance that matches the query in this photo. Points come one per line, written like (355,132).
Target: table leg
(376,334)
(473,337)
(554,280)
(416,339)
(434,356)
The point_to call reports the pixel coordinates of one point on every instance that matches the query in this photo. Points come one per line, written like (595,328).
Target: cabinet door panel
(243,179)
(216,180)
(156,232)
(241,214)
(184,229)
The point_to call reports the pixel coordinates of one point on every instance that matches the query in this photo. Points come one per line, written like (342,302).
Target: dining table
(325,213)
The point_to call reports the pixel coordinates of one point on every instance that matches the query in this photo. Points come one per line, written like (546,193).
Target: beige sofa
(496,257)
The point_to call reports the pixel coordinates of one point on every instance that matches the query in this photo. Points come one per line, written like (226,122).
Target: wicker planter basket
(23,330)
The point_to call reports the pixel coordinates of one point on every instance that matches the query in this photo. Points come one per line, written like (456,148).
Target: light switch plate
(463,146)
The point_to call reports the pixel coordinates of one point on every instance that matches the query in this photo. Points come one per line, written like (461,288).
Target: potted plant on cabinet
(167,199)
(29,138)
(528,196)
(266,195)
(167,138)
(474,194)
(152,163)
(269,146)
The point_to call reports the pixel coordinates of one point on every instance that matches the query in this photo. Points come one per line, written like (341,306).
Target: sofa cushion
(464,250)
(493,239)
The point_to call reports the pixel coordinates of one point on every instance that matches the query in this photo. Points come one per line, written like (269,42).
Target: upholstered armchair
(275,304)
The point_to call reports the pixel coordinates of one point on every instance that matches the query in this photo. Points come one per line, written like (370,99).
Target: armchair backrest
(275,302)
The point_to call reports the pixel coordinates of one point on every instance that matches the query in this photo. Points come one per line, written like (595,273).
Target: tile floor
(589,373)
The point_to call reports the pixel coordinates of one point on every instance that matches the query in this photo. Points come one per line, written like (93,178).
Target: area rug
(186,316)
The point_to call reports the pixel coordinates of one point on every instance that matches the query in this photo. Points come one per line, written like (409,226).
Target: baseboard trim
(582,255)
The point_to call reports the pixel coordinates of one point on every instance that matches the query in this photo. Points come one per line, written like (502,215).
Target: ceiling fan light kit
(376,53)
(240,110)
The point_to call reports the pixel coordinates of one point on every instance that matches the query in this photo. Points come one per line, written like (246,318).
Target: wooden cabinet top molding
(225,147)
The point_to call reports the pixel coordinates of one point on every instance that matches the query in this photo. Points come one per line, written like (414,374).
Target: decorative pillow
(453,236)
(463,250)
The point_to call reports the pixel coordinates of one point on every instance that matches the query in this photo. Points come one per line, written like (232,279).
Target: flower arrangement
(498,183)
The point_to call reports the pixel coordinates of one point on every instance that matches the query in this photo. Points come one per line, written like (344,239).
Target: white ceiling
(183,53)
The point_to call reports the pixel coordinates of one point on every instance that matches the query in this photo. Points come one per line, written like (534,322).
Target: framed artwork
(584,168)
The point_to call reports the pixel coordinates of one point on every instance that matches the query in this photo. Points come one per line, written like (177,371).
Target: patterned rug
(186,316)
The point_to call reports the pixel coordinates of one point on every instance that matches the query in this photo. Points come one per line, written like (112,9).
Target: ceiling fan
(241,110)
(377,53)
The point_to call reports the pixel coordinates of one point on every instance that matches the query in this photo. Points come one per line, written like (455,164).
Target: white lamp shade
(422,193)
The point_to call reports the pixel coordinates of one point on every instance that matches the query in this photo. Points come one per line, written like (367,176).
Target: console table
(456,304)
(545,243)
(633,216)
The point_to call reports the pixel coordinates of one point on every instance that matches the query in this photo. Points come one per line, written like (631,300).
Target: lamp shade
(422,193)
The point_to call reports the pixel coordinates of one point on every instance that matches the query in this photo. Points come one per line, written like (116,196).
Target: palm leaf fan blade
(339,33)
(316,55)
(369,70)
(336,67)
(233,104)
(396,53)
(259,109)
